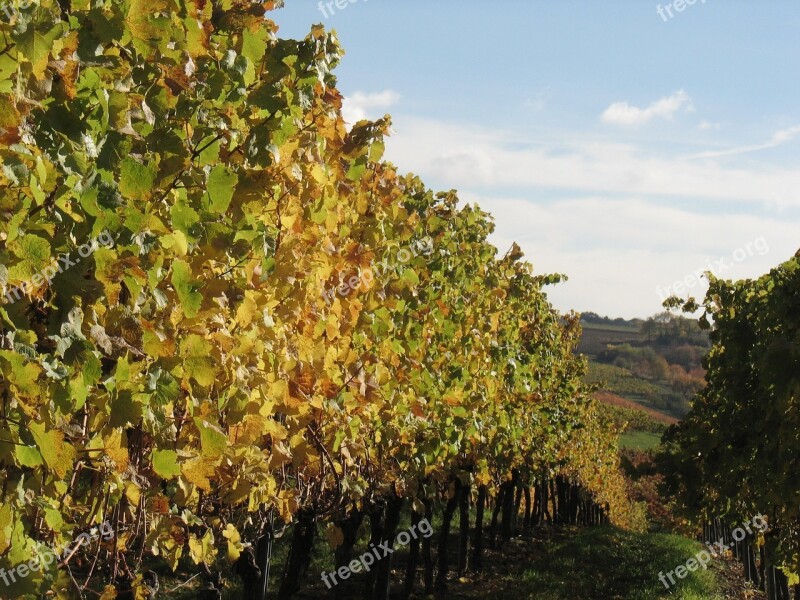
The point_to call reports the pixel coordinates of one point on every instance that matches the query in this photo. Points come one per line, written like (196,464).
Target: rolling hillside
(647,371)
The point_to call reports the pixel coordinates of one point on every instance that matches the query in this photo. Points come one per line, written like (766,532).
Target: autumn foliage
(735,455)
(195,384)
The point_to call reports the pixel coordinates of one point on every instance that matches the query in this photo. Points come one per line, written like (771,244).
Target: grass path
(602,563)
(640,440)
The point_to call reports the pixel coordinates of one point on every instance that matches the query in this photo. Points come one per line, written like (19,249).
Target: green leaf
(164,386)
(190,299)
(254,45)
(212,441)
(70,332)
(54,519)
(356,170)
(165,463)
(9,117)
(28,456)
(410,276)
(78,392)
(376,151)
(197,361)
(125,411)
(33,46)
(35,254)
(58,455)
(20,372)
(136,179)
(221,186)
(183,217)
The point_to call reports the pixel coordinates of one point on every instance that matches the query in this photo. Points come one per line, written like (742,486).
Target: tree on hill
(649,328)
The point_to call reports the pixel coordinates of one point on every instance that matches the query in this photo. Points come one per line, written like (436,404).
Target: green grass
(593,563)
(639,440)
(605,562)
(610,327)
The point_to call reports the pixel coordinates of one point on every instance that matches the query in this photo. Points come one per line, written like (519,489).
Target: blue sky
(622,149)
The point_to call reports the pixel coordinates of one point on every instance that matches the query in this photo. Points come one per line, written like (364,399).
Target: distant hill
(628,405)
(651,365)
(596,337)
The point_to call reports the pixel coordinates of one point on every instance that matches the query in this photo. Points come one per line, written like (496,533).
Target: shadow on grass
(604,563)
(598,563)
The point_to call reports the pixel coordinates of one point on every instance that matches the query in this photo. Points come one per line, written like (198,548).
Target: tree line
(734,456)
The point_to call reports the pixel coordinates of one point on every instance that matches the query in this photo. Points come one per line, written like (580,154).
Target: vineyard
(226,319)
(735,455)
(243,355)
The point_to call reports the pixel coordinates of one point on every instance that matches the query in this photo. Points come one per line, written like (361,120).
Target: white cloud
(778,138)
(463,157)
(360,105)
(616,237)
(537,102)
(709,126)
(616,253)
(622,113)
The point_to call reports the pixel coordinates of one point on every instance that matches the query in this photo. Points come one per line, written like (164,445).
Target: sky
(627,144)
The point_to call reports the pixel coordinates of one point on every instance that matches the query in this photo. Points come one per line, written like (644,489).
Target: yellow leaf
(454,398)
(287,505)
(288,221)
(202,550)
(109,593)
(335,536)
(6,527)
(57,455)
(332,327)
(177,242)
(247,310)
(115,448)
(132,493)
(213,441)
(198,471)
(235,546)
(198,362)
(153,345)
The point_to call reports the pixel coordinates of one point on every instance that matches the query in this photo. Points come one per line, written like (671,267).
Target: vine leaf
(57,454)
